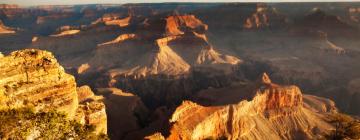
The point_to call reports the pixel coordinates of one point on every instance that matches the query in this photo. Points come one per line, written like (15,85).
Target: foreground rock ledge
(33,78)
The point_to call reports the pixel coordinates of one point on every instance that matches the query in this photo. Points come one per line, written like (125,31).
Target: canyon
(185,70)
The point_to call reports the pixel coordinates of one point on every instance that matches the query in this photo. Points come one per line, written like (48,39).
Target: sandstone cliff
(34,79)
(275,112)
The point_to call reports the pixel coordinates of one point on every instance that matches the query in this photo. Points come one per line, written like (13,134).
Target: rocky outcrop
(276,112)
(113,19)
(119,39)
(5,30)
(66,33)
(119,22)
(264,17)
(83,68)
(91,109)
(177,24)
(33,78)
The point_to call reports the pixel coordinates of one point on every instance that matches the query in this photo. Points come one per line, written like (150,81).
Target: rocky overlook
(34,79)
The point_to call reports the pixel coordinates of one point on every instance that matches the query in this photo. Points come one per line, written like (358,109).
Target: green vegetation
(24,123)
(346,127)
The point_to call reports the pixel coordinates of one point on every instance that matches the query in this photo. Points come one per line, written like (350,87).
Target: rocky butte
(275,112)
(164,51)
(34,79)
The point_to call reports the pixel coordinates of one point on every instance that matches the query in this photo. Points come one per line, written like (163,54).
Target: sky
(72,2)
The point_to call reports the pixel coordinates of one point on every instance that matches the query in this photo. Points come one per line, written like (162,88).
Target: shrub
(24,123)
(346,127)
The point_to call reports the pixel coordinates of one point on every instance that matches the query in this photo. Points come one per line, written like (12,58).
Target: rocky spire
(264,79)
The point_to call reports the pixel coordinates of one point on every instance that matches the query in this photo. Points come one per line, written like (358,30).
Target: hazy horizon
(71,2)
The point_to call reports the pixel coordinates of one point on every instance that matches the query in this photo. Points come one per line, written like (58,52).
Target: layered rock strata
(276,112)
(33,78)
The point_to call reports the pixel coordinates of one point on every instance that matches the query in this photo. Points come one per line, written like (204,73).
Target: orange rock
(276,112)
(174,24)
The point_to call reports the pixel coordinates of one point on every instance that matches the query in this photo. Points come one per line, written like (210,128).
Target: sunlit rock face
(277,97)
(33,78)
(91,109)
(175,24)
(119,22)
(264,17)
(5,30)
(66,33)
(113,19)
(156,136)
(275,112)
(119,39)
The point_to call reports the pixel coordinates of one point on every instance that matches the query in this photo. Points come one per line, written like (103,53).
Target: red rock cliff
(276,112)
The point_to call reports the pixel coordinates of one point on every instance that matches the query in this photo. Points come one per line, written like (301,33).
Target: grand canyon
(180,71)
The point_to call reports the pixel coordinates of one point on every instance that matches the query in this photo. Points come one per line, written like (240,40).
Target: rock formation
(119,22)
(30,77)
(91,109)
(5,30)
(83,68)
(184,45)
(175,24)
(113,19)
(264,17)
(66,33)
(161,61)
(275,112)
(119,39)
(169,59)
(33,78)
